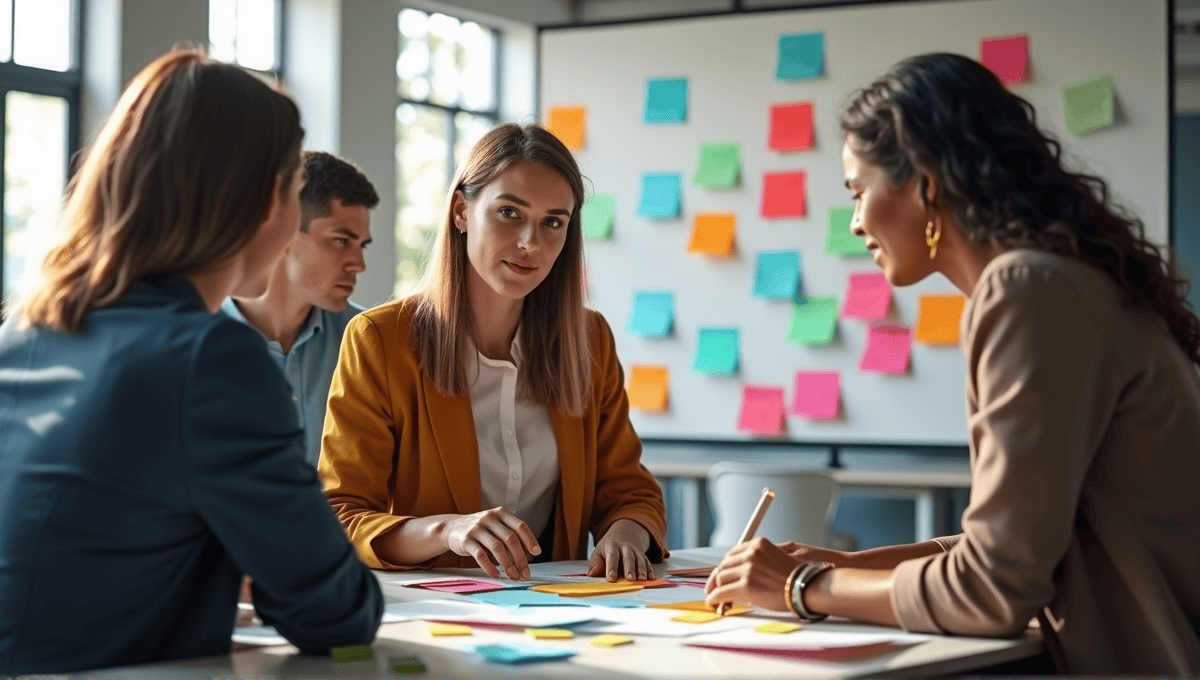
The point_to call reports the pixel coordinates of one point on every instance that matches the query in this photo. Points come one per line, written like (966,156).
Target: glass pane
(6,10)
(222,30)
(413,68)
(256,34)
(43,34)
(35,174)
(469,128)
(422,174)
(447,57)
(479,67)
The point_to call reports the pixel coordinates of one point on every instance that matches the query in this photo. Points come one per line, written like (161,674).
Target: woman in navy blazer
(149,452)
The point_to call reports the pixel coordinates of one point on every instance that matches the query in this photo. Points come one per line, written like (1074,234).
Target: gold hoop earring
(931,238)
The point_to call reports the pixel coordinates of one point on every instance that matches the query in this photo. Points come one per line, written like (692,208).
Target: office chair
(804,504)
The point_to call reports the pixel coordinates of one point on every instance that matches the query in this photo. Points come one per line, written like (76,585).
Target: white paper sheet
(805,638)
(464,611)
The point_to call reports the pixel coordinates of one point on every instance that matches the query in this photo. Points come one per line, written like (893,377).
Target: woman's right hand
(496,532)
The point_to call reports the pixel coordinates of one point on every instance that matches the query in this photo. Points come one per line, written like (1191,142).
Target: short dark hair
(328,177)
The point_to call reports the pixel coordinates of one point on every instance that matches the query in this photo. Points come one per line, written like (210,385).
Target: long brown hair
(178,179)
(949,117)
(556,370)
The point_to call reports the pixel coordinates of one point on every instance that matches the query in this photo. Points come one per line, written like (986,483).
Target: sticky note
(1088,104)
(818,395)
(888,349)
(568,123)
(937,319)
(783,194)
(700,606)
(720,165)
(696,617)
(814,321)
(839,240)
(716,351)
(648,388)
(407,665)
(791,127)
(868,296)
(549,633)
(458,586)
(660,195)
(613,602)
(1008,57)
(587,589)
(762,410)
(666,100)
(597,216)
(801,56)
(777,627)
(652,314)
(713,234)
(519,597)
(347,654)
(648,583)
(514,653)
(608,640)
(777,274)
(448,629)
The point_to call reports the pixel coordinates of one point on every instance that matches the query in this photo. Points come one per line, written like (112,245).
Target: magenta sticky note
(868,296)
(762,410)
(888,349)
(1008,57)
(459,586)
(818,394)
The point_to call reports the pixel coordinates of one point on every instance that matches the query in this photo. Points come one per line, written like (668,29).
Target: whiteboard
(729,62)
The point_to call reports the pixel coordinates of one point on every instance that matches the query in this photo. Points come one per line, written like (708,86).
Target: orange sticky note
(649,583)
(648,388)
(700,606)
(568,125)
(937,320)
(1008,57)
(713,234)
(762,410)
(791,127)
(696,617)
(783,194)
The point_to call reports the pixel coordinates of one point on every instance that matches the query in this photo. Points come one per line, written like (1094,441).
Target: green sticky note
(720,165)
(716,351)
(357,653)
(407,665)
(597,216)
(1088,104)
(814,320)
(801,56)
(839,240)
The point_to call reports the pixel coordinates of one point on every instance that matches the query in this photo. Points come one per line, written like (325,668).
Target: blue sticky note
(520,653)
(612,602)
(777,275)
(666,100)
(801,56)
(652,314)
(716,351)
(660,194)
(522,597)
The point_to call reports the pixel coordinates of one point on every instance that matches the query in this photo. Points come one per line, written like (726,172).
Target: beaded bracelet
(787,588)
(807,572)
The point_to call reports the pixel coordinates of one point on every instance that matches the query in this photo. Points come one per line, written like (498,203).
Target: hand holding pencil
(756,519)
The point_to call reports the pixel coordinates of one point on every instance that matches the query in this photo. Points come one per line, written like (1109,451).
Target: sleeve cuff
(948,542)
(908,596)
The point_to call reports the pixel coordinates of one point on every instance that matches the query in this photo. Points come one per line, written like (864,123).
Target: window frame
(276,72)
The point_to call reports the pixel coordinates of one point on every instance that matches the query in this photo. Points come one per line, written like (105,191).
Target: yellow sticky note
(447,629)
(700,606)
(696,617)
(568,123)
(777,627)
(586,589)
(713,234)
(610,640)
(549,633)
(937,320)
(648,388)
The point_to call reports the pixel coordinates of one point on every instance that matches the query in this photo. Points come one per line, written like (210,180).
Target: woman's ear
(931,189)
(458,210)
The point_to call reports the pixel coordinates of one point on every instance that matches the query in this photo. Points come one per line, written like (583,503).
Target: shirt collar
(312,325)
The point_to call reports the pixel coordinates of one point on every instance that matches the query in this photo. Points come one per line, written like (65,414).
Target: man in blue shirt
(307,305)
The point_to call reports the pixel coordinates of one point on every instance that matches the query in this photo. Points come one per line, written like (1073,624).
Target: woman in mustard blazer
(485,419)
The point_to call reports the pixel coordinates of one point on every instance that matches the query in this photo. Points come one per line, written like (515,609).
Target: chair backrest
(804,504)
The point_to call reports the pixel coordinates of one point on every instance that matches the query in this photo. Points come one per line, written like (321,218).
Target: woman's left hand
(625,543)
(753,572)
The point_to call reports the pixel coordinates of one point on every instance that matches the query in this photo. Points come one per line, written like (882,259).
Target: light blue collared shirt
(309,366)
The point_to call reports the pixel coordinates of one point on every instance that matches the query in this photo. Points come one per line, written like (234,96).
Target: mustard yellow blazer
(395,448)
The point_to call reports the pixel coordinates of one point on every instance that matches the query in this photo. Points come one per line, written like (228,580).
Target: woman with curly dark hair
(1082,393)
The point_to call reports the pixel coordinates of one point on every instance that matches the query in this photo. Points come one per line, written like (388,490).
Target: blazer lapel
(568,435)
(453,426)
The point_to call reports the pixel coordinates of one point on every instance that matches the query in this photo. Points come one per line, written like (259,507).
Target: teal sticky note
(839,241)
(1088,104)
(612,602)
(523,597)
(801,56)
(814,320)
(652,314)
(521,653)
(716,351)
(720,165)
(777,274)
(666,100)
(407,665)
(347,654)
(660,194)
(597,216)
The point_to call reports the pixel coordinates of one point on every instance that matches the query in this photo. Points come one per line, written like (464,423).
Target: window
(39,104)
(247,33)
(449,73)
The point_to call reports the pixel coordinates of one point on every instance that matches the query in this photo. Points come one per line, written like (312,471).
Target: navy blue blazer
(146,463)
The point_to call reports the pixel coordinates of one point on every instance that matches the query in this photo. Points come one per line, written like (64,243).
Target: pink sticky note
(791,127)
(868,296)
(762,410)
(888,349)
(1008,57)
(459,586)
(783,194)
(818,394)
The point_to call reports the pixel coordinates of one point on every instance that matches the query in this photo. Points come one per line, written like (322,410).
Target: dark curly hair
(949,117)
(328,177)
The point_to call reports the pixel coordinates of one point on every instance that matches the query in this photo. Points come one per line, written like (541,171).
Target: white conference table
(657,658)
